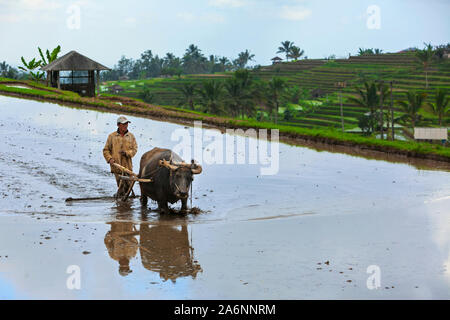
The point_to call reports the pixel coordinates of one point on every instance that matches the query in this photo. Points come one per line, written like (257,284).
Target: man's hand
(111,161)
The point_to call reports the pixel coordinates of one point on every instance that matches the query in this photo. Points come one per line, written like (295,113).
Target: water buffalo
(171,177)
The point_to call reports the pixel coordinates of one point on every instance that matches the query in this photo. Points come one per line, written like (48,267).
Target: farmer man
(120,147)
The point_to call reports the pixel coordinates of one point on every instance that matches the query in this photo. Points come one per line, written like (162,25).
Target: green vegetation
(314,80)
(412,105)
(441,106)
(300,97)
(34,63)
(128,105)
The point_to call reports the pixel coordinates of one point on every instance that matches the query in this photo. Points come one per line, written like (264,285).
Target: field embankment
(296,135)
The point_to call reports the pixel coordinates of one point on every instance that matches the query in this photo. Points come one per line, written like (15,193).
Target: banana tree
(50,56)
(30,66)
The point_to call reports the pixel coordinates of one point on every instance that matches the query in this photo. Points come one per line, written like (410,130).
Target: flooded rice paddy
(310,231)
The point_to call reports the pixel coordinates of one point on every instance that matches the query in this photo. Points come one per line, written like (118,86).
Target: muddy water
(309,231)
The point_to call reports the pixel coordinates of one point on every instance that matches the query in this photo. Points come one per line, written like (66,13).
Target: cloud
(227,3)
(206,17)
(34,5)
(186,16)
(294,13)
(27,10)
(130,21)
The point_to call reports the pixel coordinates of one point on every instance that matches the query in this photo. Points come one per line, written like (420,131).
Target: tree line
(192,62)
(242,96)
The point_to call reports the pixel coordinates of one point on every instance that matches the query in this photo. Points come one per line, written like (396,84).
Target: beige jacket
(115,144)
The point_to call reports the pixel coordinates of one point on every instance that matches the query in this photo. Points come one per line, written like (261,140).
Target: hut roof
(276,58)
(74,61)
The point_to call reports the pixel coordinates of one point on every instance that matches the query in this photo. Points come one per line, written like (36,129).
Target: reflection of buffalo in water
(165,249)
(122,244)
(171,178)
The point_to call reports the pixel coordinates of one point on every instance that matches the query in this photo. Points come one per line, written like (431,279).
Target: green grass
(323,124)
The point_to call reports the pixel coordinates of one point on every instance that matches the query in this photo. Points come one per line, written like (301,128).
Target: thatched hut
(74,72)
(276,60)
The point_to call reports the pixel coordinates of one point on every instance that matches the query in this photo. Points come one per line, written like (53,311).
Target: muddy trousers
(122,186)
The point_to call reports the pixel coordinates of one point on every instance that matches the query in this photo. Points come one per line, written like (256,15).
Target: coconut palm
(377,51)
(243,58)
(276,87)
(240,93)
(286,47)
(441,106)
(369,98)
(412,105)
(225,64)
(193,60)
(363,52)
(188,90)
(211,96)
(425,57)
(296,53)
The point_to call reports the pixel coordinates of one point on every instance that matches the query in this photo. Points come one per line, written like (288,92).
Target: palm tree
(296,53)
(363,52)
(276,88)
(412,105)
(286,47)
(368,98)
(240,93)
(193,60)
(425,57)
(188,91)
(243,58)
(378,51)
(441,105)
(224,63)
(234,92)
(211,96)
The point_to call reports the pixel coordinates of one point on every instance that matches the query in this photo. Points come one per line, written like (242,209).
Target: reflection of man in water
(119,148)
(121,244)
(165,249)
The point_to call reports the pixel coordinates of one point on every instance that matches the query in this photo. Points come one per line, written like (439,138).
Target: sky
(104,30)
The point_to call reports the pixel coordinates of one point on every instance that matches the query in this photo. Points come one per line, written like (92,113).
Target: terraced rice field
(402,68)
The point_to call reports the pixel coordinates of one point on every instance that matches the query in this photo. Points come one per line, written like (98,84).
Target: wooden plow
(133,177)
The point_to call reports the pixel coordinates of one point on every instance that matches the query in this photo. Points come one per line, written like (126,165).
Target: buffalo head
(181,176)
